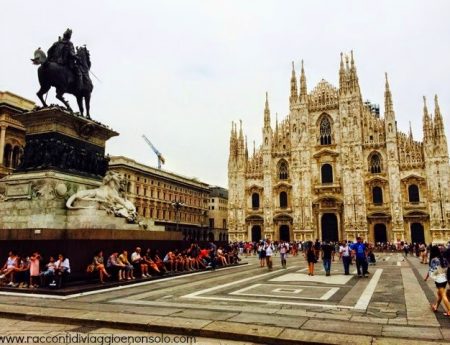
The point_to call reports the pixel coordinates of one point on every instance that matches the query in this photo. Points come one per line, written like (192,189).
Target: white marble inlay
(335,279)
(286,290)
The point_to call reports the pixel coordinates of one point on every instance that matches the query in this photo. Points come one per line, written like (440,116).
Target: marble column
(2,142)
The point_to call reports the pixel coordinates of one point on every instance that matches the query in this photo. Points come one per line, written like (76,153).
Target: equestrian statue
(66,70)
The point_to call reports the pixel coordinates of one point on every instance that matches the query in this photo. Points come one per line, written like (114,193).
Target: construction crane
(161,159)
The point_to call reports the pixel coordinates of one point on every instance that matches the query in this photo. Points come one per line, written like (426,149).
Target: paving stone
(273,320)
(343,327)
(446,333)
(205,314)
(246,329)
(369,319)
(412,332)
(401,321)
(397,341)
(324,338)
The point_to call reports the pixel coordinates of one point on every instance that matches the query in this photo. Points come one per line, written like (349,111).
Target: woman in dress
(261,254)
(311,258)
(99,266)
(438,272)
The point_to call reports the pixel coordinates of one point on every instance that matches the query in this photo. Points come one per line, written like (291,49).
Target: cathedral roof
(323,96)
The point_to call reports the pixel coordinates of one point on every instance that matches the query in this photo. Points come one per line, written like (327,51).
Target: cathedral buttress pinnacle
(267,112)
(294,94)
(303,89)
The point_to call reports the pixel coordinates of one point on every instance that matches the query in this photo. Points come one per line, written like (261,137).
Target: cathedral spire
(354,81)
(342,77)
(427,123)
(267,112)
(303,89)
(388,106)
(439,132)
(294,93)
(246,148)
(410,132)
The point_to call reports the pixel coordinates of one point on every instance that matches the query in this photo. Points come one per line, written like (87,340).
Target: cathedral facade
(333,169)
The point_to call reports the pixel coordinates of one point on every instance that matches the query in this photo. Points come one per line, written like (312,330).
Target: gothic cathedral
(333,169)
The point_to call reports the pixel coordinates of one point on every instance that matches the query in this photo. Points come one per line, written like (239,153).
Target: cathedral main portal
(329,225)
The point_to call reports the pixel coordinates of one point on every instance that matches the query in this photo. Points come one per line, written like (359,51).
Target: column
(2,142)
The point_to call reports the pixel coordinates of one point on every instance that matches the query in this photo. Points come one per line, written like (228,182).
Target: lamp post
(177,205)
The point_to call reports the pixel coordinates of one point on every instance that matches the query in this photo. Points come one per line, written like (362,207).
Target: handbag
(90,268)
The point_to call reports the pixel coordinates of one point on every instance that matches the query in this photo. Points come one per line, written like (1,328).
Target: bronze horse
(65,79)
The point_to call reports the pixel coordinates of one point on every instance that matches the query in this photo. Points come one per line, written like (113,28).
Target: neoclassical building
(334,169)
(12,132)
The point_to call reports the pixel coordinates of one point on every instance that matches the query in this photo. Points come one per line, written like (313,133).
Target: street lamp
(177,205)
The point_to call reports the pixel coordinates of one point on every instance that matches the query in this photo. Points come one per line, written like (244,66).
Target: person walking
(269,248)
(346,256)
(360,250)
(438,272)
(261,254)
(310,258)
(284,250)
(327,253)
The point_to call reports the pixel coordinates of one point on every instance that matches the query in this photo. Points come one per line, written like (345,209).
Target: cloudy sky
(181,71)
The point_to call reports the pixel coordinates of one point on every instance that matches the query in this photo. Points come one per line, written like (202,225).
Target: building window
(212,207)
(137,190)
(283,172)
(255,200)
(211,223)
(327,173)
(283,200)
(325,131)
(413,193)
(375,164)
(377,195)
(224,223)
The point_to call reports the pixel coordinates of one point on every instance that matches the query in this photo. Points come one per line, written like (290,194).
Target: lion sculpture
(108,198)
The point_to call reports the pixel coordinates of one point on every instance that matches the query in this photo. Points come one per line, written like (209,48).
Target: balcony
(417,205)
(334,187)
(378,206)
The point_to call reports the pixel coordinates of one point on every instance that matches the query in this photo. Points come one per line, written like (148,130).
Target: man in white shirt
(62,269)
(269,252)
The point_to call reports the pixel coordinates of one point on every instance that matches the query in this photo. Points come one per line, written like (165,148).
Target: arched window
(255,200)
(325,131)
(413,193)
(283,200)
(283,172)
(327,173)
(375,164)
(377,195)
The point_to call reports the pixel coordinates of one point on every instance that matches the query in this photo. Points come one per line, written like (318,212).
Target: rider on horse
(63,52)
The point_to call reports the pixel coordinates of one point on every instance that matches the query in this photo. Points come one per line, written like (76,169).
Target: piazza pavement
(247,304)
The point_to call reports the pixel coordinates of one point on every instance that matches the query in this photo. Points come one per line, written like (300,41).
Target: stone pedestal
(58,140)
(64,154)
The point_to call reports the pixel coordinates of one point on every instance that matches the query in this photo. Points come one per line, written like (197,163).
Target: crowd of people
(33,271)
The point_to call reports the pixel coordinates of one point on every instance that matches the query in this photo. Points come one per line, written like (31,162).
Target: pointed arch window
(325,131)
(375,164)
(255,200)
(327,173)
(283,171)
(377,195)
(413,193)
(283,200)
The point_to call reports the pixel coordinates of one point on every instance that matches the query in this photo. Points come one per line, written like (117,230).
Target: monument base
(37,200)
